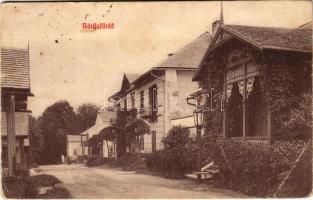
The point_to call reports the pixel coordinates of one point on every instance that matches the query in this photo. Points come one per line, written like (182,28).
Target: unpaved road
(105,182)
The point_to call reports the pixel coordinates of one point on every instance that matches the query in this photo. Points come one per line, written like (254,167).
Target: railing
(21,123)
(145,112)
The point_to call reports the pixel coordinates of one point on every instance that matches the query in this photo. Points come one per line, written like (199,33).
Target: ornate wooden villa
(15,89)
(254,77)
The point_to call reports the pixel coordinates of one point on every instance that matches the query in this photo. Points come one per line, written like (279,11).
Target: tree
(35,140)
(86,116)
(57,121)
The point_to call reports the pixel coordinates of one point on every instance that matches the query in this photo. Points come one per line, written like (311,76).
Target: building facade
(76,146)
(159,95)
(245,66)
(15,90)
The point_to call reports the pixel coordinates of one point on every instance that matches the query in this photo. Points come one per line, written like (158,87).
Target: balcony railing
(145,112)
(21,123)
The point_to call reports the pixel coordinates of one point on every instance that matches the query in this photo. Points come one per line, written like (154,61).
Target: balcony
(21,123)
(145,112)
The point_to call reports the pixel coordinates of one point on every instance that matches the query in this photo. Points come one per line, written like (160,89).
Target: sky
(68,63)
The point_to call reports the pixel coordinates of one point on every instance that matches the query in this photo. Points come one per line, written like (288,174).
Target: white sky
(88,66)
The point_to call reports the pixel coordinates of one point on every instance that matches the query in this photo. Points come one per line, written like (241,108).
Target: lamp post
(198,115)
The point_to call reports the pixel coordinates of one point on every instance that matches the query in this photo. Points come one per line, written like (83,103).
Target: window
(132,99)
(153,97)
(142,100)
(241,75)
(142,142)
(125,104)
(153,137)
(239,84)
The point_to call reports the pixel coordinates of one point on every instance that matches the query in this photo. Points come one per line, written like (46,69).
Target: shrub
(129,162)
(26,186)
(42,180)
(252,168)
(178,157)
(56,193)
(14,187)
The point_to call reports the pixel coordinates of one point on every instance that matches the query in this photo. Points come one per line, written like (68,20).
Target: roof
(105,116)
(15,68)
(297,39)
(94,130)
(190,55)
(76,138)
(283,39)
(130,77)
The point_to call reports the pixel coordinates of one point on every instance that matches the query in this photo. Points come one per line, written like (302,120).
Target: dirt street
(105,182)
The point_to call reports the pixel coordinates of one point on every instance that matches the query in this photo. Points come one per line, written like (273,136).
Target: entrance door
(153,136)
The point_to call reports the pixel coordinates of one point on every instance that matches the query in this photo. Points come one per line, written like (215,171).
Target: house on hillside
(257,72)
(159,94)
(15,90)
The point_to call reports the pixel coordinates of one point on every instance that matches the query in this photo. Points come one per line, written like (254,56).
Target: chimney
(215,26)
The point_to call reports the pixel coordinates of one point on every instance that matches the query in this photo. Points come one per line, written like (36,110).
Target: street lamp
(198,115)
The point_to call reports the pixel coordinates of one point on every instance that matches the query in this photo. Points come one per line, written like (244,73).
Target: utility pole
(11,135)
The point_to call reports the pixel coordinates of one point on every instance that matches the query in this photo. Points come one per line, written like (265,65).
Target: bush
(26,186)
(178,157)
(14,187)
(254,169)
(42,180)
(56,193)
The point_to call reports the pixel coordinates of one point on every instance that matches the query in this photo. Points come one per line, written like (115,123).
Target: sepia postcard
(156,100)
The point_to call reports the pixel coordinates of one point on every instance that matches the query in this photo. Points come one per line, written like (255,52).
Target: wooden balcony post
(11,135)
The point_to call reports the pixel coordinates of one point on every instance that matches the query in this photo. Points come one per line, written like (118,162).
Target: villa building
(249,68)
(159,95)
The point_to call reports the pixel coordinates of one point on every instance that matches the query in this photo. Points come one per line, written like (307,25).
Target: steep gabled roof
(127,79)
(132,76)
(282,39)
(190,55)
(296,39)
(15,68)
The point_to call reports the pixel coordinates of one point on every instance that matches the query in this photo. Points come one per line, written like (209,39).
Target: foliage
(287,85)
(57,121)
(178,157)
(27,187)
(36,141)
(56,193)
(300,116)
(42,180)
(130,162)
(176,137)
(252,168)
(127,129)
(86,116)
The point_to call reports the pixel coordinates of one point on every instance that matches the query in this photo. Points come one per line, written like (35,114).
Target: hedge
(252,168)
